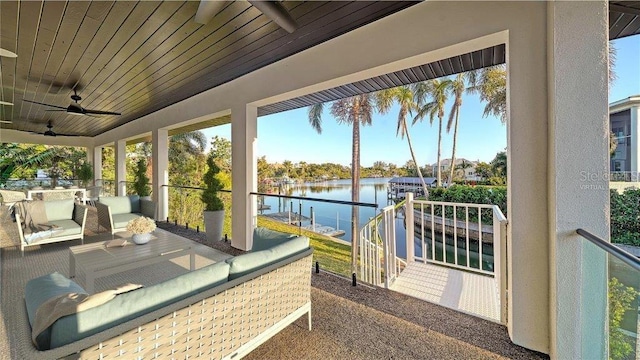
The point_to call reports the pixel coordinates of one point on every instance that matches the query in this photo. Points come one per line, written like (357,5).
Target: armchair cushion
(66,227)
(121,204)
(59,209)
(120,220)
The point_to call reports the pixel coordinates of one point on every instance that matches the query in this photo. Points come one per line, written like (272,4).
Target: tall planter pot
(213,223)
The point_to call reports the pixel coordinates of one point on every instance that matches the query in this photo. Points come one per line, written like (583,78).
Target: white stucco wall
(578,176)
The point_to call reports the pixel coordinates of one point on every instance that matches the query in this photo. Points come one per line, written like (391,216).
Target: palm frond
(315,117)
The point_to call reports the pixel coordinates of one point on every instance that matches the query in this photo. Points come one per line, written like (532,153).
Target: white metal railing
(469,235)
(379,263)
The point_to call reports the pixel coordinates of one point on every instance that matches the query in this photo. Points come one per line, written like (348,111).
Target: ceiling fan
(49,131)
(271,9)
(74,108)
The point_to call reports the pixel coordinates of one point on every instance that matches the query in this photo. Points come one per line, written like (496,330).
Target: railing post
(408,215)
(500,259)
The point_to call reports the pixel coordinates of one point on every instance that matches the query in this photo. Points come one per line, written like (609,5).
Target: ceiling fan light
(7,53)
(6,103)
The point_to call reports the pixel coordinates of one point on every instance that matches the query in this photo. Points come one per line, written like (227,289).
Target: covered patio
(557,66)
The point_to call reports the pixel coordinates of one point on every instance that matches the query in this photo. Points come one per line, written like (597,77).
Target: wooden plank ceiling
(624,19)
(138,57)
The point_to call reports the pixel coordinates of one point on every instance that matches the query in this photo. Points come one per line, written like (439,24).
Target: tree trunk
(439,177)
(453,152)
(355,193)
(413,156)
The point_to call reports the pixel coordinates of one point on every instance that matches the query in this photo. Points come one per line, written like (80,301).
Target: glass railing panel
(328,225)
(613,276)
(624,327)
(186,208)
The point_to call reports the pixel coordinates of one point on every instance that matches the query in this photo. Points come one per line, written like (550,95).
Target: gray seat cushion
(246,263)
(136,303)
(69,227)
(264,238)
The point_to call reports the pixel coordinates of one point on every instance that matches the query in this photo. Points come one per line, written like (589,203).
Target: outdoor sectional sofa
(68,216)
(114,212)
(224,310)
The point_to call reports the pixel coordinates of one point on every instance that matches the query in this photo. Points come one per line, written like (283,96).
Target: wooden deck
(463,291)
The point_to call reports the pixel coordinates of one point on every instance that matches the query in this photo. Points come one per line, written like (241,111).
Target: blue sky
(288,136)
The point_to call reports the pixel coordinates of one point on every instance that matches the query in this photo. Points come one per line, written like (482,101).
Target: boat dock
(293,218)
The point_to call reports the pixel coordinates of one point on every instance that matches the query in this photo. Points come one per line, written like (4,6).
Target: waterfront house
(167,74)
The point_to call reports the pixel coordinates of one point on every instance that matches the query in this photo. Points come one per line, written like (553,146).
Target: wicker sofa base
(225,322)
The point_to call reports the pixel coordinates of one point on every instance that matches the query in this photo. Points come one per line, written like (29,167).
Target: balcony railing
(379,263)
(624,176)
(328,223)
(623,286)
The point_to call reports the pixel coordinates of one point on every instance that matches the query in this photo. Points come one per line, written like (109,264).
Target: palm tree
(354,111)
(438,91)
(458,88)
(499,164)
(404,96)
(491,84)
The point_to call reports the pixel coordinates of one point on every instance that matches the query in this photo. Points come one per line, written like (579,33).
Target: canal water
(374,191)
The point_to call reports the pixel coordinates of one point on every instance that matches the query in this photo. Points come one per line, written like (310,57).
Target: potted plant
(214,207)
(85,174)
(141,183)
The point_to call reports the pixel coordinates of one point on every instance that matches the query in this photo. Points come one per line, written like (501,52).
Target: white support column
(94,157)
(121,168)
(578,176)
(160,153)
(244,177)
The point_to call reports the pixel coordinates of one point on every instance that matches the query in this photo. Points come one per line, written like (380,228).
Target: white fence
(450,234)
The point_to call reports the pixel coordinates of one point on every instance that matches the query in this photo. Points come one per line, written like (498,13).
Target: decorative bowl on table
(141,239)
(141,228)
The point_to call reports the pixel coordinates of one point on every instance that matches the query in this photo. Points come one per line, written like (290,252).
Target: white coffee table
(96,260)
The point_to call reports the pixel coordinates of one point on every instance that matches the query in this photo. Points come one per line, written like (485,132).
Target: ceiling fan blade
(276,13)
(56,110)
(207,10)
(39,103)
(99,112)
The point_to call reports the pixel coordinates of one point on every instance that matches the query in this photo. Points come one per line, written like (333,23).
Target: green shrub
(625,217)
(620,299)
(141,184)
(212,186)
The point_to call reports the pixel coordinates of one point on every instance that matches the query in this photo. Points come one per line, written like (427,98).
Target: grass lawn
(332,256)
